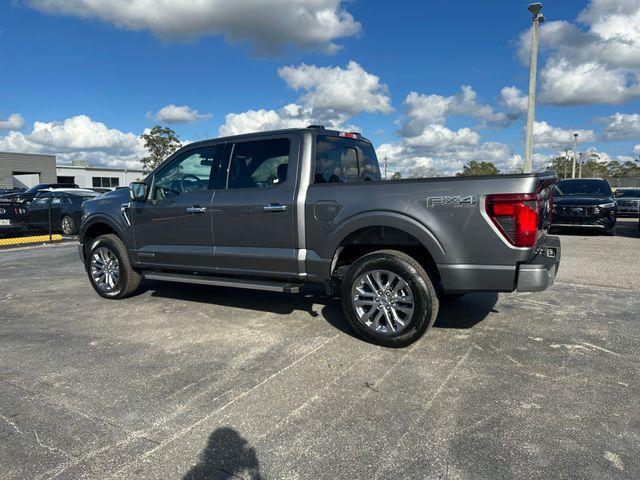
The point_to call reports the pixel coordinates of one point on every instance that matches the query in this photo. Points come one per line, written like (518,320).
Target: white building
(86,176)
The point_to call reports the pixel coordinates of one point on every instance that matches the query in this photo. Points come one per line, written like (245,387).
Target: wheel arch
(98,225)
(384,230)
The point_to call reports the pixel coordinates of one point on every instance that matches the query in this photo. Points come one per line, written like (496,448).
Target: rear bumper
(534,275)
(540,273)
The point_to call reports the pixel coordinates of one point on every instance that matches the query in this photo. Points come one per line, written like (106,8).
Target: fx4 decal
(455,201)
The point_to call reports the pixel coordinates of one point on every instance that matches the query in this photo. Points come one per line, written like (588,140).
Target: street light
(575,154)
(538,17)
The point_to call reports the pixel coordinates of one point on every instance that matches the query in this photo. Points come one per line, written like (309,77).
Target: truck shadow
(461,314)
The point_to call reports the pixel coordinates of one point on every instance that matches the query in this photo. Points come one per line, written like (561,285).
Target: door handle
(196,209)
(274,207)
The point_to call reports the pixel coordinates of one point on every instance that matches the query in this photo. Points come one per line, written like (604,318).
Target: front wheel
(389,299)
(109,268)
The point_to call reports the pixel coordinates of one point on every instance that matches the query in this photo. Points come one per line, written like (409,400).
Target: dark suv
(584,202)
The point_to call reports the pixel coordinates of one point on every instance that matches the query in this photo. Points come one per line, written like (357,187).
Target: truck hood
(570,200)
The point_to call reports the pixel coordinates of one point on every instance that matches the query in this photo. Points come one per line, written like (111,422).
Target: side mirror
(138,191)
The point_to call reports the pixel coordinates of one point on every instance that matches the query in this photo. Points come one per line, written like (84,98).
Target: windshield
(583,188)
(628,193)
(35,188)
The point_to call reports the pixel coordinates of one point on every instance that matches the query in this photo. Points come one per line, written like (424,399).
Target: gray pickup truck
(276,210)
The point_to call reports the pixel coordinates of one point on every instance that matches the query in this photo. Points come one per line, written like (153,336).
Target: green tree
(160,142)
(396,176)
(478,168)
(560,165)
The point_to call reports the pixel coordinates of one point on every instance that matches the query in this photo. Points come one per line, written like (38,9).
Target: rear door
(39,211)
(254,217)
(172,228)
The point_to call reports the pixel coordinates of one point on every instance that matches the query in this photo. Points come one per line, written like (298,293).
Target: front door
(172,228)
(254,217)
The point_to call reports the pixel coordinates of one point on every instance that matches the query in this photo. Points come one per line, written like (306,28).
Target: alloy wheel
(105,270)
(383,301)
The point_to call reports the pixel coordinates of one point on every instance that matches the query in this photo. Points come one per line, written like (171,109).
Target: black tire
(68,225)
(128,279)
(425,308)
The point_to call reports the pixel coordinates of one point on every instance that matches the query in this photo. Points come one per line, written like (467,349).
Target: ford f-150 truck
(275,210)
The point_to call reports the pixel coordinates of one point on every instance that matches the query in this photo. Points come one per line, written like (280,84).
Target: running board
(265,285)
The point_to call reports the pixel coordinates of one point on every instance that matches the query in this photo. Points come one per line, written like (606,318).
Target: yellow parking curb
(35,239)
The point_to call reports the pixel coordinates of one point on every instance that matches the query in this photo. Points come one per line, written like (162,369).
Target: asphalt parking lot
(188,382)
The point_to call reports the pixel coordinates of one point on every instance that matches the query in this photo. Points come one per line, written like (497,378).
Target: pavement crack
(51,448)
(11,424)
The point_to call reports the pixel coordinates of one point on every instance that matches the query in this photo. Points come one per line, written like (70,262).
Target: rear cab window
(339,159)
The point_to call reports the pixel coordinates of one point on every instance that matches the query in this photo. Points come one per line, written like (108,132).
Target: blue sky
(94,80)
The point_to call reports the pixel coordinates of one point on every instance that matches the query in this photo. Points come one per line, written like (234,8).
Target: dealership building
(23,170)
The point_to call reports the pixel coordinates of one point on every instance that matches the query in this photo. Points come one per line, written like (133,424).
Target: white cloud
(435,137)
(622,126)
(331,96)
(13,122)
(596,64)
(348,91)
(423,110)
(79,138)
(427,145)
(290,116)
(636,149)
(547,136)
(268,25)
(179,114)
(447,160)
(513,99)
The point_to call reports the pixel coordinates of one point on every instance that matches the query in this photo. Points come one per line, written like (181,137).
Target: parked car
(4,191)
(13,218)
(276,210)
(628,200)
(29,194)
(584,202)
(60,207)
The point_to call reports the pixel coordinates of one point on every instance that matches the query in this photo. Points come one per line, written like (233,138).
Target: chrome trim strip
(305,176)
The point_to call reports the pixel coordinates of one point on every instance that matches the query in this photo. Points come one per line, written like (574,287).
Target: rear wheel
(109,268)
(389,299)
(67,225)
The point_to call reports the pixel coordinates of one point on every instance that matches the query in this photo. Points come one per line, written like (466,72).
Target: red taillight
(516,216)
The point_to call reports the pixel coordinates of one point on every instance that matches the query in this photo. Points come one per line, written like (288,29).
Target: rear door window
(341,159)
(259,164)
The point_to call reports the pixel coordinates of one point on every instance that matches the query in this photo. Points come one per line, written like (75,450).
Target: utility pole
(566,161)
(538,17)
(386,162)
(575,154)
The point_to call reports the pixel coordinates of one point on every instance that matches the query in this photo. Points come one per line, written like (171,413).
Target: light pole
(566,161)
(575,154)
(581,161)
(538,17)
(386,162)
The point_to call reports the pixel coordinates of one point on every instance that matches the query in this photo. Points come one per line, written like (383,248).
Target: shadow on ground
(227,455)
(462,313)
